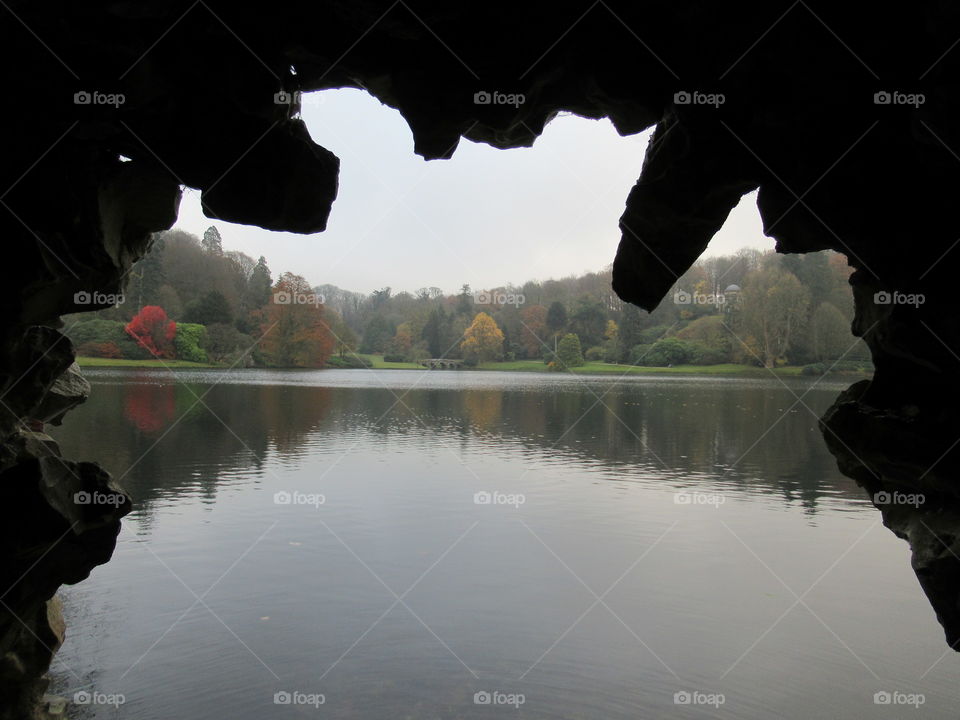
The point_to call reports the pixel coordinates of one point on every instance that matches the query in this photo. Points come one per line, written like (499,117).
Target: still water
(404,544)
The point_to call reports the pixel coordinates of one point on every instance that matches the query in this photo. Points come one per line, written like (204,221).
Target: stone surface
(209,103)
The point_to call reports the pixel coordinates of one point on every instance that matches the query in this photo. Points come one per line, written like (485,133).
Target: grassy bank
(590,368)
(378,363)
(111,362)
(601,368)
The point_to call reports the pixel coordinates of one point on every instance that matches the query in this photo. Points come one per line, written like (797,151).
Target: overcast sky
(485,217)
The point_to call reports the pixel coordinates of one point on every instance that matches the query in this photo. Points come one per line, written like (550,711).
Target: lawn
(120,362)
(380,364)
(601,368)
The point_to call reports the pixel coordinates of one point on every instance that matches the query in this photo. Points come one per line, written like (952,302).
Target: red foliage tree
(149,407)
(154,331)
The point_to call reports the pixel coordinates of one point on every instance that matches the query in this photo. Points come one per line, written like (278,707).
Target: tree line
(190,299)
(751,307)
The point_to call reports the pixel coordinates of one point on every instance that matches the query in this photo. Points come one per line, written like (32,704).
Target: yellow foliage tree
(483,340)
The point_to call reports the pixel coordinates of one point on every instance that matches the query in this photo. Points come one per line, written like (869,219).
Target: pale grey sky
(485,217)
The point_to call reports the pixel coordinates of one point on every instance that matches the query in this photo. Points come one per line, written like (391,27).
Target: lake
(465,544)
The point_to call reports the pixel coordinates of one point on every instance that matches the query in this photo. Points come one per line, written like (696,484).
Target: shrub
(348,361)
(99,350)
(222,340)
(638,354)
(596,354)
(188,340)
(153,330)
(130,349)
(95,330)
(652,334)
(814,369)
(699,353)
(568,351)
(669,351)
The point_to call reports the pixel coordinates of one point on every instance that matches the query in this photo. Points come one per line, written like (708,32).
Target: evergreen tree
(212,242)
(260,286)
(556,317)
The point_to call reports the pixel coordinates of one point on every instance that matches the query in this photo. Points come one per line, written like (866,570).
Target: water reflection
(495,598)
(750,440)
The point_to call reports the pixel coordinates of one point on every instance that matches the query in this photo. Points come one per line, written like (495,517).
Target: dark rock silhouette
(843,115)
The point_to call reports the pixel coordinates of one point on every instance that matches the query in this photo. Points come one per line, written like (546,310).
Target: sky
(485,217)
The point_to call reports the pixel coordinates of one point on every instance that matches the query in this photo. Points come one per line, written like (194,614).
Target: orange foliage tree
(534,332)
(153,331)
(483,340)
(295,333)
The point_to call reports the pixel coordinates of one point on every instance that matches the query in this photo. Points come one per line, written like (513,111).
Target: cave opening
(243,476)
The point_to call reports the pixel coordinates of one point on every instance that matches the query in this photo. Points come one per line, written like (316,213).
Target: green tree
(556,317)
(189,341)
(569,353)
(433,332)
(377,334)
(212,242)
(221,341)
(774,311)
(345,341)
(589,321)
(830,334)
(211,307)
(260,285)
(632,323)
(465,302)
(146,277)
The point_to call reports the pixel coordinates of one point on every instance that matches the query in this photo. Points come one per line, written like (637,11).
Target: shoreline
(529,366)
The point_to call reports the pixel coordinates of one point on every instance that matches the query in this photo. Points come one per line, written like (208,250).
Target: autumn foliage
(534,319)
(153,331)
(294,331)
(100,350)
(149,407)
(483,340)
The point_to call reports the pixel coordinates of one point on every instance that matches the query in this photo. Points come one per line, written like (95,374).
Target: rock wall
(844,115)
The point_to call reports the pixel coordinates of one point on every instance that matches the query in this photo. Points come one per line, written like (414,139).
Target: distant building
(731,297)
